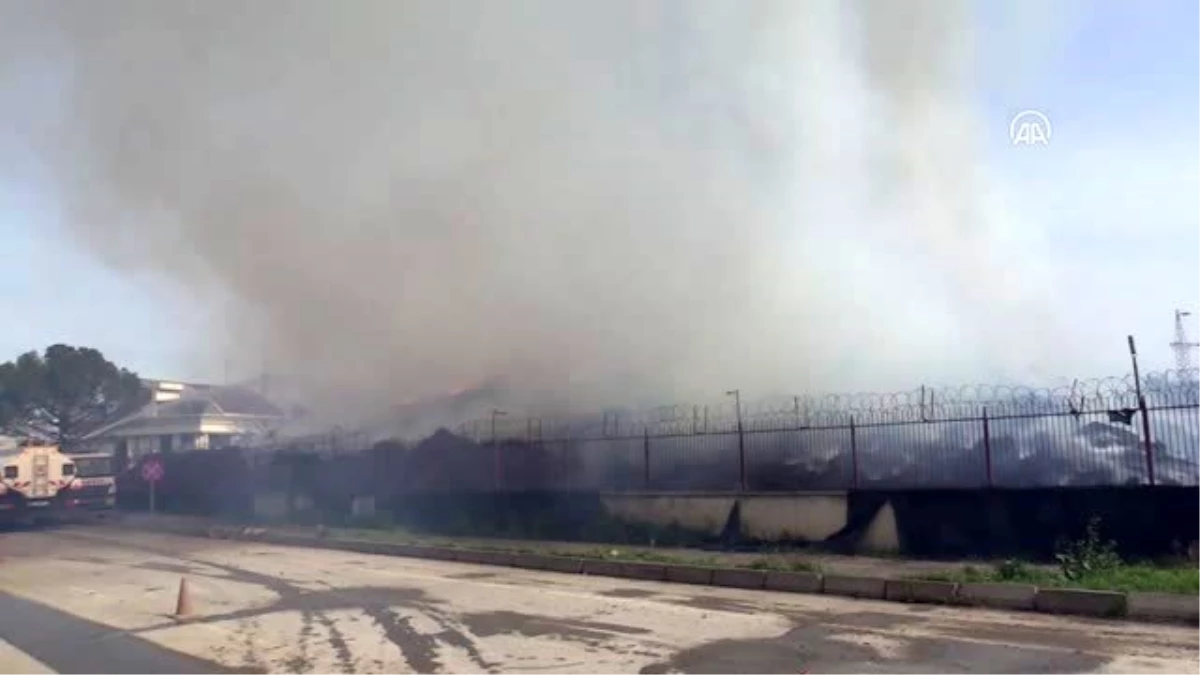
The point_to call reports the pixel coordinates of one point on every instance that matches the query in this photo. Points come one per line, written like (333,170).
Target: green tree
(64,394)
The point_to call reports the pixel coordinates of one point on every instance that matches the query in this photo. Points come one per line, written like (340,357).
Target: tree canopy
(63,394)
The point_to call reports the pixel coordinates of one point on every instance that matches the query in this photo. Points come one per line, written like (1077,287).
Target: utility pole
(1181,346)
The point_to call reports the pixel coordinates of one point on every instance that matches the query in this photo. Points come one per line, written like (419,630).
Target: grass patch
(1125,577)
(773,563)
(1090,563)
(636,556)
(782,565)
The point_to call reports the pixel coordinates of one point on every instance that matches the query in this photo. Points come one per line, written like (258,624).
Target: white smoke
(604,201)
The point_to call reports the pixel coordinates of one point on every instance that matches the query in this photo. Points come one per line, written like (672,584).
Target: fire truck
(40,482)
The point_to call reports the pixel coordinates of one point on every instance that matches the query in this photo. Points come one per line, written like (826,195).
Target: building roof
(219,401)
(200,401)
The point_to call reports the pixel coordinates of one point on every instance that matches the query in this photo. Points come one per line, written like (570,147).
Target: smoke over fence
(1090,433)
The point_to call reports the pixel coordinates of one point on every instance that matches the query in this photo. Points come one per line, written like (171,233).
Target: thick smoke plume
(597,201)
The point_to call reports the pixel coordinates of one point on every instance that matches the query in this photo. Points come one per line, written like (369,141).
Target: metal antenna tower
(1183,348)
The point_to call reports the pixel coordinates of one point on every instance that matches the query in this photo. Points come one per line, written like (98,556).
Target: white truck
(40,482)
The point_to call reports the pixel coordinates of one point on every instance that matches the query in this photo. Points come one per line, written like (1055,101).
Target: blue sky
(1117,188)
(1113,198)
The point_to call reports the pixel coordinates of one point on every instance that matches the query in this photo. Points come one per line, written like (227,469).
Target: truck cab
(95,484)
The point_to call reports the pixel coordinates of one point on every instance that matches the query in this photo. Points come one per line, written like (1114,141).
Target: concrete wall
(274,505)
(271,505)
(706,514)
(1144,522)
(769,517)
(793,517)
(882,535)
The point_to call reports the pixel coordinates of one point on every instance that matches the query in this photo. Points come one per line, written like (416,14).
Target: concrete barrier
(436,552)
(351,545)
(734,578)
(854,587)
(221,532)
(644,571)
(1003,596)
(914,590)
(286,539)
(1079,601)
(395,548)
(1163,607)
(477,557)
(602,568)
(528,561)
(561,563)
(794,582)
(689,574)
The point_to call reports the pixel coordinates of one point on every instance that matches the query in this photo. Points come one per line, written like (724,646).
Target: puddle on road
(485,624)
(719,604)
(821,649)
(174,568)
(628,593)
(469,576)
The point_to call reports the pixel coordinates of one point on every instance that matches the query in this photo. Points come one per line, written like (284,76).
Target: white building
(183,417)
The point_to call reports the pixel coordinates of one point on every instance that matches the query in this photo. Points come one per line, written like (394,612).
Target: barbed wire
(1165,389)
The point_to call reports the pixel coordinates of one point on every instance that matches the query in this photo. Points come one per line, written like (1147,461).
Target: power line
(1181,346)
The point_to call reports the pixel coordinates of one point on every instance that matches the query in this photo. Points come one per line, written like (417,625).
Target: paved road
(100,599)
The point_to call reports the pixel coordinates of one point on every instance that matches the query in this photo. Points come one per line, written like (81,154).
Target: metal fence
(1117,431)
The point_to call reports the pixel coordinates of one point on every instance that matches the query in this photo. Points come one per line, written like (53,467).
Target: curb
(927,592)
(870,588)
(1080,601)
(1161,607)
(998,596)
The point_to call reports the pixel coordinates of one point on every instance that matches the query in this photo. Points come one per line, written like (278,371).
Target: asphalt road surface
(100,600)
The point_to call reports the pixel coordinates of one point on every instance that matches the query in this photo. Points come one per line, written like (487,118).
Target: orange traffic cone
(183,603)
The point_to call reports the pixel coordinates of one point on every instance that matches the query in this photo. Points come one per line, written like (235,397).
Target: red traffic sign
(152,470)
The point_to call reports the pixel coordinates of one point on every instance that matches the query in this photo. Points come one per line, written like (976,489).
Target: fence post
(1146,438)
(496,465)
(646,458)
(741,453)
(853,454)
(1141,399)
(987,448)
